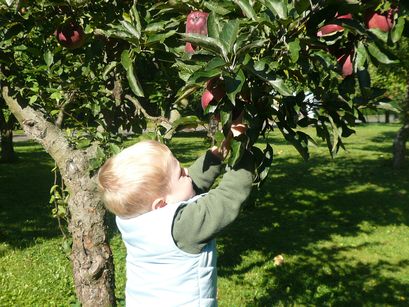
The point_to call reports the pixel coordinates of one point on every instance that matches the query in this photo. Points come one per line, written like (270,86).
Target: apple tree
(75,91)
(79,75)
(285,64)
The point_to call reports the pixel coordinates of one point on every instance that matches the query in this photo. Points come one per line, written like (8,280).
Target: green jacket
(196,224)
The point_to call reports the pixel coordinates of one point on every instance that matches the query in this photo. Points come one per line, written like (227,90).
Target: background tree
(7,124)
(79,75)
(395,79)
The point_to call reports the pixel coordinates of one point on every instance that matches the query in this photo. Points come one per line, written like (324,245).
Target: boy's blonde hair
(131,180)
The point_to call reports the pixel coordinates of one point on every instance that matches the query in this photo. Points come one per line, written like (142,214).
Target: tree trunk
(91,256)
(387,117)
(399,146)
(399,143)
(6,133)
(7,150)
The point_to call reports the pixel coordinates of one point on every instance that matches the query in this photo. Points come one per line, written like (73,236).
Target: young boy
(167,224)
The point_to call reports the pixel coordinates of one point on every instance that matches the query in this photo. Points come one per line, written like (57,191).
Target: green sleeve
(204,172)
(196,224)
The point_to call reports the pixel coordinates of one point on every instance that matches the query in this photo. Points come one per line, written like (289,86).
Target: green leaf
(161,25)
(213,25)
(294,48)
(134,82)
(335,137)
(33,99)
(236,151)
(186,91)
(263,161)
(255,44)
(108,69)
(114,149)
(84,143)
(136,19)
(361,57)
(126,59)
(216,7)
(187,121)
(247,9)
(212,44)
(215,63)
(397,30)
(56,96)
(298,139)
(203,75)
(234,85)
(54,188)
(48,58)
(132,78)
(160,37)
(379,55)
(281,87)
(277,83)
(364,82)
(277,7)
(130,28)
(229,33)
(383,36)
(325,58)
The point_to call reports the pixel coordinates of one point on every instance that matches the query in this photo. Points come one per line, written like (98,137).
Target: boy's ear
(158,203)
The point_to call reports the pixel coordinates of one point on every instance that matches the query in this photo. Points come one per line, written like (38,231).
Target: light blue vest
(158,272)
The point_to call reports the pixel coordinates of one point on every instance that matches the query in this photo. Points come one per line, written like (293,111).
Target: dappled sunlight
(25,212)
(331,219)
(341,226)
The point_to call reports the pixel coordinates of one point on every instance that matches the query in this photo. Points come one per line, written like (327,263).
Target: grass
(341,225)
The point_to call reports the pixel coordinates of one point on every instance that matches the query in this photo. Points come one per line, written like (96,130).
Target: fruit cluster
(374,20)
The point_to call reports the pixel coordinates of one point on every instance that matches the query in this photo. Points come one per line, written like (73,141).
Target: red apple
(207,97)
(214,92)
(70,35)
(383,22)
(196,22)
(216,87)
(346,64)
(331,29)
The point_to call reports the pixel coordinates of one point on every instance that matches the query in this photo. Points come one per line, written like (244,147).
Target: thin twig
(141,109)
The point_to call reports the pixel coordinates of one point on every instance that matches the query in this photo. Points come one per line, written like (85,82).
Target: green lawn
(341,225)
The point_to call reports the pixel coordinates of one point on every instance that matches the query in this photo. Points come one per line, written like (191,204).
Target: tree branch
(71,163)
(138,106)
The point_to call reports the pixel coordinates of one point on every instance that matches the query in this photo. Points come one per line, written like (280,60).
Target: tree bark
(91,256)
(399,143)
(7,150)
(8,154)
(399,146)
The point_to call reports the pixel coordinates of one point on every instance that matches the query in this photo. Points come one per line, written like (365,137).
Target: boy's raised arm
(195,225)
(204,171)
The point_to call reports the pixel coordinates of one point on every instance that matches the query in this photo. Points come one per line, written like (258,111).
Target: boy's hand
(237,128)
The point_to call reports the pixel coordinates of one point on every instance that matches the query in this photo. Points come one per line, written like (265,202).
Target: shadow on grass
(308,202)
(304,203)
(25,213)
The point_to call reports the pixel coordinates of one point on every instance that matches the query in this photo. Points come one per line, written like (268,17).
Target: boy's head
(141,178)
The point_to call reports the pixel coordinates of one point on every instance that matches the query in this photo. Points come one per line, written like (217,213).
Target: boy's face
(181,186)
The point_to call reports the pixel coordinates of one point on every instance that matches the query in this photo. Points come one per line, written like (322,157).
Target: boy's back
(171,256)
